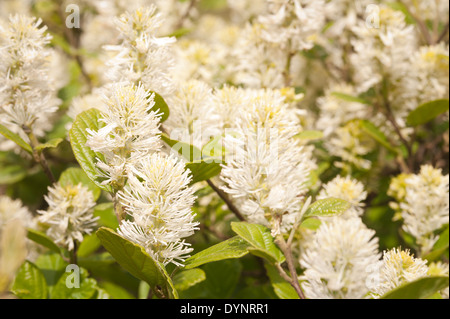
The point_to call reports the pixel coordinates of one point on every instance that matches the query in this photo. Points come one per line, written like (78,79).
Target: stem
(38,155)
(185,15)
(73,254)
(444,33)
(293,279)
(227,201)
(118,209)
(422,26)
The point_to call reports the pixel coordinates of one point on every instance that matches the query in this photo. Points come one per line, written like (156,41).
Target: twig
(444,33)
(38,155)
(286,249)
(185,15)
(227,201)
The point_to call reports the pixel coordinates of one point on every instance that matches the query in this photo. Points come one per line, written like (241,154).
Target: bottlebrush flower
(69,215)
(398,267)
(159,200)
(337,259)
(131,131)
(27,93)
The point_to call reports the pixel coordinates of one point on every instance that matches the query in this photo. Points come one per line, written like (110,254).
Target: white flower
(351,144)
(69,215)
(267,169)
(293,23)
(193,114)
(131,131)
(397,268)
(347,189)
(337,259)
(159,199)
(143,56)
(27,93)
(426,205)
(13,209)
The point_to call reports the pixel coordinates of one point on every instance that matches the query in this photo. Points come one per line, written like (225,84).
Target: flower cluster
(69,215)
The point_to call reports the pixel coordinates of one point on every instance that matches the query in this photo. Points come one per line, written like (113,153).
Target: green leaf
(134,259)
(50,144)
(115,291)
(84,155)
(440,247)
(202,171)
(418,289)
(281,287)
(73,285)
(327,207)
(234,247)
(350,98)
(15,138)
(188,278)
(52,267)
(29,282)
(74,176)
(188,151)
(373,131)
(11,174)
(88,246)
(310,135)
(311,223)
(221,280)
(162,106)
(43,240)
(260,239)
(427,112)
(107,215)
(213,151)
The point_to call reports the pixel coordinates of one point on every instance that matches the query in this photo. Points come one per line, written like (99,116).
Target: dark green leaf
(427,112)
(75,284)
(11,174)
(373,131)
(188,278)
(440,247)
(136,261)
(43,240)
(282,288)
(162,106)
(202,171)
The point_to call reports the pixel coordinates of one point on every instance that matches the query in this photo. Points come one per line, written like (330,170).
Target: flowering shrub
(224,149)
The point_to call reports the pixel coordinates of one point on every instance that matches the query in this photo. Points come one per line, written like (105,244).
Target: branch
(227,201)
(293,279)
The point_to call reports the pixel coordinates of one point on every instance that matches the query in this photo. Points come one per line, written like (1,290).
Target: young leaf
(15,138)
(427,112)
(43,240)
(29,282)
(74,176)
(136,261)
(418,289)
(327,207)
(260,239)
(373,131)
(311,223)
(188,278)
(50,144)
(234,247)
(309,135)
(349,98)
(84,155)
